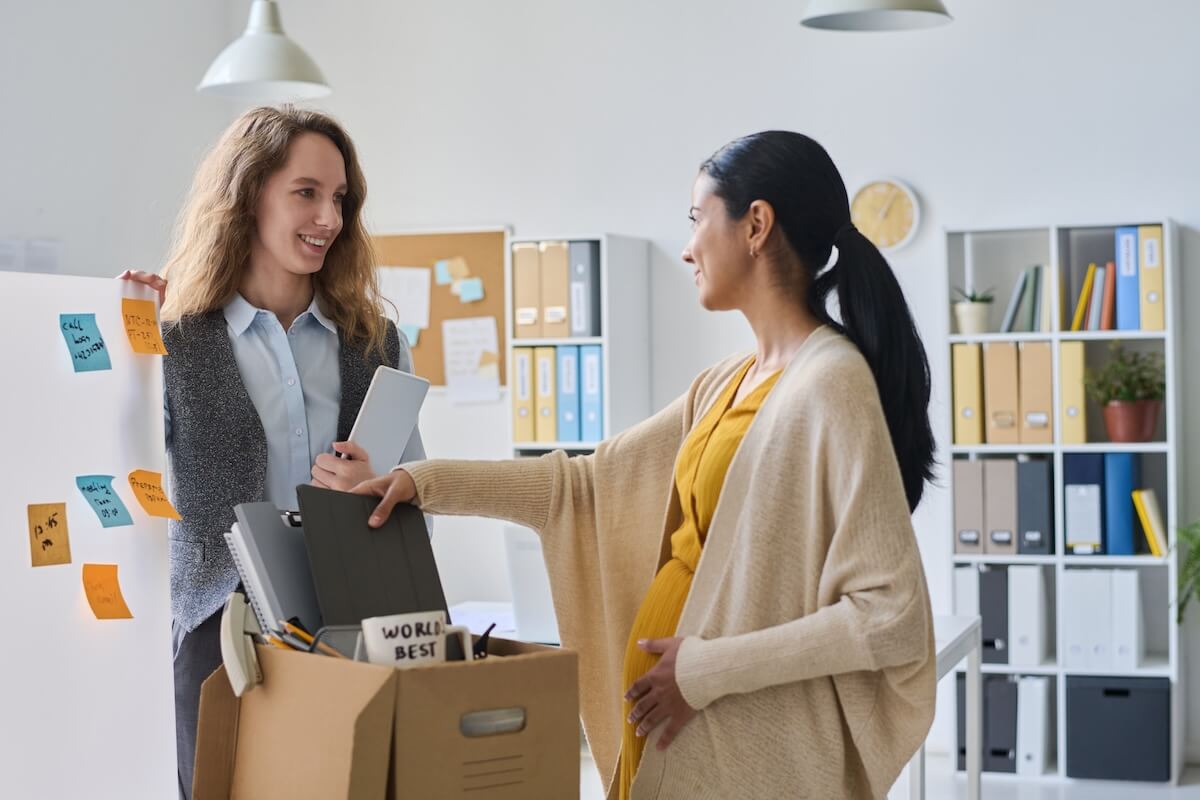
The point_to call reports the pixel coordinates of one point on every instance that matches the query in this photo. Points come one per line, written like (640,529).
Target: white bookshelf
(995,257)
(624,338)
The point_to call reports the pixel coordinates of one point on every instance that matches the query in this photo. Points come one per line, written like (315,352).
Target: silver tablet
(388,416)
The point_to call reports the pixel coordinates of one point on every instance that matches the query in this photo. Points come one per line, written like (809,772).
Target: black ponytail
(795,175)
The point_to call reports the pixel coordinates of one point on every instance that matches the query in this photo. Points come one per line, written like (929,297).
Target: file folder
(527,291)
(1035,514)
(591,395)
(968,393)
(585,288)
(1000,397)
(1128,296)
(1000,723)
(1151,282)
(1083,503)
(1127,635)
(568,394)
(545,426)
(1122,474)
(1072,394)
(1086,598)
(993,610)
(1035,731)
(523,430)
(1037,393)
(555,283)
(966,590)
(1000,506)
(1027,616)
(968,505)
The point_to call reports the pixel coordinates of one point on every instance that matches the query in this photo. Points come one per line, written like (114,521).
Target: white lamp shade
(874,15)
(263,65)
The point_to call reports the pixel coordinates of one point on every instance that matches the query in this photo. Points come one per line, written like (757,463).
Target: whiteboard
(86,705)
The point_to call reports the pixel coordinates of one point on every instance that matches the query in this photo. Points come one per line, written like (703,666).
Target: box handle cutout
(492,722)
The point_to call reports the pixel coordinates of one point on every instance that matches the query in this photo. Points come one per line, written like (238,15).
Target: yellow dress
(699,476)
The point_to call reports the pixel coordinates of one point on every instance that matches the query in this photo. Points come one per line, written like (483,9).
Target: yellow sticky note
(141,326)
(49,541)
(458,268)
(148,489)
(103,592)
(488,357)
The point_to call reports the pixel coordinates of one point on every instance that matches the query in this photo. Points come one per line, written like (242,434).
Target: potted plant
(971,312)
(1189,567)
(1129,388)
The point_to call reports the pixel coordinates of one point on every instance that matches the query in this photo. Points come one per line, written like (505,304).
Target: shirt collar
(239,314)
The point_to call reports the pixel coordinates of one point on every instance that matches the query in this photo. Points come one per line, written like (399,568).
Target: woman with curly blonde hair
(273,321)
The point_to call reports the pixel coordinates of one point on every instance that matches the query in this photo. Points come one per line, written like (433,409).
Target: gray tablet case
(362,572)
(276,575)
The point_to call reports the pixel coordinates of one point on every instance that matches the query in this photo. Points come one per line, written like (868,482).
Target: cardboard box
(320,727)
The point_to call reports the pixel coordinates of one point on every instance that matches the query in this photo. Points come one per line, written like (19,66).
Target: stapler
(238,625)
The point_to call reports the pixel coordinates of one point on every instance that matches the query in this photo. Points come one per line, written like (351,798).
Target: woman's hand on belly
(657,694)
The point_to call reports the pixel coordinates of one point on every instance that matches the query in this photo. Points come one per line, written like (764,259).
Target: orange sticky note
(104,592)
(141,326)
(148,489)
(49,541)
(487,358)
(458,268)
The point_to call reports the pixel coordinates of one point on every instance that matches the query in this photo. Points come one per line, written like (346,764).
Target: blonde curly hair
(210,250)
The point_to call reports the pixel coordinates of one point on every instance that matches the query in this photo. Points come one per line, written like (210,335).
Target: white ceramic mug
(411,640)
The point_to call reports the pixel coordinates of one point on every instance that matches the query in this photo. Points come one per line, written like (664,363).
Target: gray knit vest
(219,451)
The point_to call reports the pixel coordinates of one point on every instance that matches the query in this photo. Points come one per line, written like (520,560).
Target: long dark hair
(798,178)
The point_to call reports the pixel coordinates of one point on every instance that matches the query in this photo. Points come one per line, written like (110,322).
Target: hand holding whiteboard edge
(388,415)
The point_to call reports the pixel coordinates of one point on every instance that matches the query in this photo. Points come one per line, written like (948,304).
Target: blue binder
(591,392)
(568,394)
(1129,299)
(1122,474)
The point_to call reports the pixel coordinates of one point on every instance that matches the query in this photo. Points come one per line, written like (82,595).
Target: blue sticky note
(470,290)
(84,342)
(413,333)
(441,271)
(104,500)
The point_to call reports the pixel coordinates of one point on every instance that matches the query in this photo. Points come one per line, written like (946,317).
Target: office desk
(956,638)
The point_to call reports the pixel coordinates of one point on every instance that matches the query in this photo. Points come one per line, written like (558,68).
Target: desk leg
(916,775)
(974,719)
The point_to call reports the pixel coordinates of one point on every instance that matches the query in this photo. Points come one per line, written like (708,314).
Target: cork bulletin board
(484,252)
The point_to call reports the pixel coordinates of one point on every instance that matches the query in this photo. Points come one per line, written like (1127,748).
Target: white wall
(555,117)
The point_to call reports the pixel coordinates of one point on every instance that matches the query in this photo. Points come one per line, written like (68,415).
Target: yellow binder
(968,393)
(522,371)
(1150,277)
(545,397)
(527,292)
(1072,398)
(1037,393)
(1000,392)
(556,289)
(1139,505)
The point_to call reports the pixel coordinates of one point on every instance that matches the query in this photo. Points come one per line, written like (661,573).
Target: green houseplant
(1129,388)
(971,312)
(1189,567)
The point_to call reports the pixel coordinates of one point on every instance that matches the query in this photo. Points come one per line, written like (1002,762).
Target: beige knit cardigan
(809,643)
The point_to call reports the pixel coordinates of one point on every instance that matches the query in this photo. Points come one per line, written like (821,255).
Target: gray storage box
(1119,728)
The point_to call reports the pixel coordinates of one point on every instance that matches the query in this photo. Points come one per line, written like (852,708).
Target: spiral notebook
(272,561)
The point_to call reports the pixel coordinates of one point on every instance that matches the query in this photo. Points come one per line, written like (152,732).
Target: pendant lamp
(874,15)
(263,64)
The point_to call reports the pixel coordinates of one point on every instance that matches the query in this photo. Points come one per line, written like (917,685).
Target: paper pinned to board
(406,288)
(103,590)
(84,342)
(49,539)
(470,290)
(148,489)
(104,500)
(466,343)
(141,326)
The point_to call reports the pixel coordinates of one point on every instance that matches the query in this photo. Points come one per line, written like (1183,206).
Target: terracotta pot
(971,317)
(1131,421)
